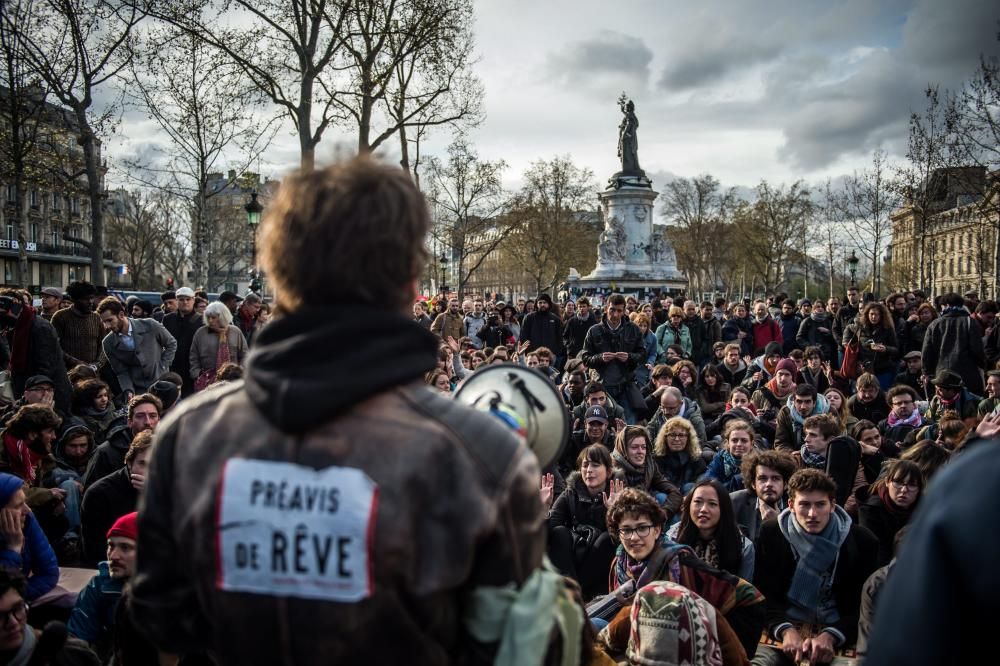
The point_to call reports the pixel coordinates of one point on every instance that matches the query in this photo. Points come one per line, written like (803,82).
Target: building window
(11,232)
(56,201)
(34,233)
(34,198)
(74,205)
(11,192)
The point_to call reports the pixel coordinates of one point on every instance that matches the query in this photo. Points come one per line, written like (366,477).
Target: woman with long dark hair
(708,525)
(712,393)
(876,336)
(893,499)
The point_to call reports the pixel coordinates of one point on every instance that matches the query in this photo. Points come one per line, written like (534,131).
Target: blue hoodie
(36,559)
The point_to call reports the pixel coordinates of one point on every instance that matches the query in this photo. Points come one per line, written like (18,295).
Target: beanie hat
(9,484)
(772,348)
(786,364)
(127,526)
(546,298)
(166,391)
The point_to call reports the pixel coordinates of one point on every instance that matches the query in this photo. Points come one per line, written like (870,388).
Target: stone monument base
(643,287)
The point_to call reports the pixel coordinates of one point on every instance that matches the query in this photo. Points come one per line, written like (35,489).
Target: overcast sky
(744,90)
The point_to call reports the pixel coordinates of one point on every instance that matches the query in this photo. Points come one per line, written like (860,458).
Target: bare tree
(286,48)
(136,228)
(22,111)
(80,47)
(771,228)
(694,209)
(866,202)
(467,198)
(409,63)
(207,109)
(973,116)
(552,229)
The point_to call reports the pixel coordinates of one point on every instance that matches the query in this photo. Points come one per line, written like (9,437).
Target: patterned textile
(671,626)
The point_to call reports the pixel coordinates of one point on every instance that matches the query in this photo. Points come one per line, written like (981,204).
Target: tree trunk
(23,275)
(87,141)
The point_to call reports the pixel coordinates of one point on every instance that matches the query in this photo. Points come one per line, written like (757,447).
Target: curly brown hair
(811,480)
(780,461)
(638,503)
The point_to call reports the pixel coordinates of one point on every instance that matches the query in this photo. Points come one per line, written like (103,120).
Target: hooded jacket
(73,427)
(788,428)
(457,504)
(109,456)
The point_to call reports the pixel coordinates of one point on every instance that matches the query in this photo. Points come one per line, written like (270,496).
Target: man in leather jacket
(615,349)
(332,508)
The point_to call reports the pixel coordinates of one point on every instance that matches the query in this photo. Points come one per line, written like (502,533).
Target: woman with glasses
(677,453)
(634,464)
(891,503)
(579,543)
(646,555)
(708,525)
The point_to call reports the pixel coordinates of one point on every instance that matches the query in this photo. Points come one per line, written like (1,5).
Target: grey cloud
(713,60)
(602,62)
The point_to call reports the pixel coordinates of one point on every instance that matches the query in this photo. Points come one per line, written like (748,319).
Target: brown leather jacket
(458,507)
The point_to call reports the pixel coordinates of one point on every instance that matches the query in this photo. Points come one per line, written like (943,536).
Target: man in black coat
(615,349)
(543,328)
(33,349)
(846,315)
(954,342)
(113,496)
(182,324)
(577,326)
(811,565)
(143,415)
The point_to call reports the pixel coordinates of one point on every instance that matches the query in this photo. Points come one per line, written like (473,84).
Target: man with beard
(765,475)
(93,616)
(450,323)
(542,328)
(143,414)
(614,348)
(475,321)
(79,327)
(802,404)
(771,397)
(789,320)
(846,315)
(182,324)
(904,418)
(766,330)
(696,325)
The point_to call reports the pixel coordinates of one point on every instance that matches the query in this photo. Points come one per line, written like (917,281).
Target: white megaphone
(525,400)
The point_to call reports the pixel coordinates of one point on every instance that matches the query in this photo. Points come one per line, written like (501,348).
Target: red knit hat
(787,364)
(127,526)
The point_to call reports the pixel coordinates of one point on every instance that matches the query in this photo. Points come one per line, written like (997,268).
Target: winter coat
(765,332)
(627,338)
(878,362)
(679,468)
(953,342)
(575,332)
(884,524)
(183,328)
(44,357)
(473,324)
(542,329)
(93,615)
(691,411)
(104,502)
(788,434)
(874,411)
(775,568)
(731,330)
(109,456)
(205,349)
(449,325)
(576,506)
(717,470)
(911,336)
(667,335)
(355,412)
(846,316)
(810,335)
(789,330)
(136,369)
(697,331)
(36,560)
(656,483)
(733,377)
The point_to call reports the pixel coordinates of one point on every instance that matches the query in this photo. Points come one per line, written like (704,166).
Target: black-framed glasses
(19,612)
(639,530)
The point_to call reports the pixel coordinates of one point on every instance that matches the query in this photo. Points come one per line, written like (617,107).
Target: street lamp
(852,262)
(443,263)
(253,209)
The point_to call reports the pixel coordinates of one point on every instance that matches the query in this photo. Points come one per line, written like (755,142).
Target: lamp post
(253,209)
(852,263)
(443,262)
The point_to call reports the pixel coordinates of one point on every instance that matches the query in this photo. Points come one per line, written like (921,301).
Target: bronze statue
(628,140)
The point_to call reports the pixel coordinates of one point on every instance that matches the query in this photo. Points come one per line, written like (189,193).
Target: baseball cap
(596,413)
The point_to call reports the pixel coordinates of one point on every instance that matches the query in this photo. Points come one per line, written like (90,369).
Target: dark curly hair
(781,462)
(635,502)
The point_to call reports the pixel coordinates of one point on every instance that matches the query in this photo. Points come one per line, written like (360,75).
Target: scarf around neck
(914,420)
(23,460)
(814,460)
(730,465)
(772,385)
(816,554)
(645,473)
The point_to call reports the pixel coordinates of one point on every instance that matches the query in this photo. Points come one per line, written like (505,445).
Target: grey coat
(154,352)
(746,513)
(205,349)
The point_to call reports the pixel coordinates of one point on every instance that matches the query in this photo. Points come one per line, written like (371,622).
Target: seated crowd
(753,473)
(766,464)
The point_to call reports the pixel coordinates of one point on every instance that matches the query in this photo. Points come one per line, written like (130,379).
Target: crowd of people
(785,443)
(87,379)
(737,487)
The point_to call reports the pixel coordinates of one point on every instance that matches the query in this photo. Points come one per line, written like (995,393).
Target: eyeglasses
(19,612)
(899,485)
(677,435)
(641,531)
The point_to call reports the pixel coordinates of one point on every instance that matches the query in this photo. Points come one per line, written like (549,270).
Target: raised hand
(453,344)
(615,488)
(547,489)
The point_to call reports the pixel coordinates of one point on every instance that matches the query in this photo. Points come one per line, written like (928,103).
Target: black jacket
(543,329)
(775,567)
(107,500)
(576,506)
(680,468)
(44,357)
(884,524)
(575,332)
(954,342)
(626,338)
(109,456)
(809,335)
(183,329)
